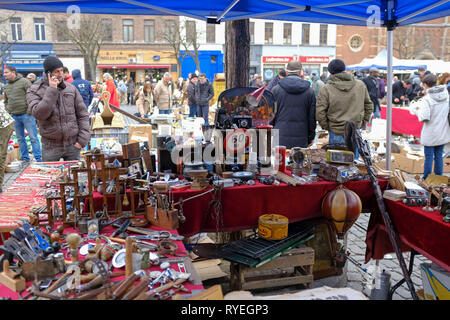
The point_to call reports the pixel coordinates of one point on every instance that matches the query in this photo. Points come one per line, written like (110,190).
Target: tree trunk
(237,53)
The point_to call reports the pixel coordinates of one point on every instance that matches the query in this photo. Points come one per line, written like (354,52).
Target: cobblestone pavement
(357,279)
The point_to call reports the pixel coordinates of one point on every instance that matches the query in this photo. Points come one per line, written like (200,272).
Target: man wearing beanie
(61,114)
(342,99)
(296,109)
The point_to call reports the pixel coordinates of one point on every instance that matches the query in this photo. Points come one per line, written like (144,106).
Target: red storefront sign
(302,59)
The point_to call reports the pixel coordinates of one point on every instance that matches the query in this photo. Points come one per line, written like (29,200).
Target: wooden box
(291,268)
(167,219)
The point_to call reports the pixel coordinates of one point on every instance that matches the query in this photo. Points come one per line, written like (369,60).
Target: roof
(345,12)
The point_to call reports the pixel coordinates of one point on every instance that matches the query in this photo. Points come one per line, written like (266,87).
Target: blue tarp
(356,12)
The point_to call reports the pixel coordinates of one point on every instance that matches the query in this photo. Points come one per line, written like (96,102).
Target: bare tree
(6,41)
(183,37)
(403,42)
(88,39)
(192,41)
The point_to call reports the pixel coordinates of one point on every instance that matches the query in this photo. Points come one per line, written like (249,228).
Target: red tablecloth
(403,122)
(242,205)
(6,292)
(423,231)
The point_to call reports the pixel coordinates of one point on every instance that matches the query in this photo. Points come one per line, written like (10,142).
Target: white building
(274,43)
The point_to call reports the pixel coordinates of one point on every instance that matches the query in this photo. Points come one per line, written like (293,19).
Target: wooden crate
(291,268)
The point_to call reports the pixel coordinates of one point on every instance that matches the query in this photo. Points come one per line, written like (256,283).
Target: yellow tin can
(273,226)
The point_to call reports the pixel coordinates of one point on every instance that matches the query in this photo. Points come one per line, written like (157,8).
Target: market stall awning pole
(390,44)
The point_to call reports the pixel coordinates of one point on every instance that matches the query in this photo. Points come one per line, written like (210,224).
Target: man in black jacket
(399,91)
(203,94)
(372,84)
(296,109)
(192,87)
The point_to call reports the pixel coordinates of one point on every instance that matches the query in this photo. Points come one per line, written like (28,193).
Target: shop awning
(133,66)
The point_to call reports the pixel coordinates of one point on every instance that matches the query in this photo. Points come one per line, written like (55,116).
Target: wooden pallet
(291,268)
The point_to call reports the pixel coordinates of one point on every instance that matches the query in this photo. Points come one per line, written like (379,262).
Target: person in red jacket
(111,88)
(67,76)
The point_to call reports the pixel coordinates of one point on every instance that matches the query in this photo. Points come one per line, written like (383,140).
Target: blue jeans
(339,141)
(203,111)
(22,122)
(437,153)
(164,111)
(192,110)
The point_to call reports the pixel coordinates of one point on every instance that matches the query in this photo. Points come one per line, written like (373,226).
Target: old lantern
(342,207)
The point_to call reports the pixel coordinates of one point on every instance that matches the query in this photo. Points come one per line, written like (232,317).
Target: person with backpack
(433,109)
(122,87)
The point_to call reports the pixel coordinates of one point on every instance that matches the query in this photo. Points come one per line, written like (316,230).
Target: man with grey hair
(163,94)
(31,77)
(296,115)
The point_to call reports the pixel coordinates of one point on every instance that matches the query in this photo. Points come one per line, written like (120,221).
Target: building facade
(428,41)
(26,40)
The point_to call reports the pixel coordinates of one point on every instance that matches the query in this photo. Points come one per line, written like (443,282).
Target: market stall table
(193,286)
(242,205)
(403,122)
(418,230)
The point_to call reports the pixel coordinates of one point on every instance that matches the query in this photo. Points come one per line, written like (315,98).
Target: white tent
(380,62)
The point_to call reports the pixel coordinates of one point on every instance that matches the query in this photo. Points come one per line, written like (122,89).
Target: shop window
(107,29)
(252,32)
(190,31)
(268,33)
(170,30)
(39,29)
(323,37)
(305,33)
(16,29)
(149,30)
(287,33)
(210,33)
(127,30)
(213,59)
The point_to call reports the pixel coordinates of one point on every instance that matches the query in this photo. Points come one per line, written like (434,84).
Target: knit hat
(336,66)
(51,63)
(293,66)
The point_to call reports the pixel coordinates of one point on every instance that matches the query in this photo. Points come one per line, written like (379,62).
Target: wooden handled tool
(124,286)
(128,256)
(148,294)
(137,290)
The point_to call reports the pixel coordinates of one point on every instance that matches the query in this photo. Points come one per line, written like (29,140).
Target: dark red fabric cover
(242,205)
(423,231)
(403,122)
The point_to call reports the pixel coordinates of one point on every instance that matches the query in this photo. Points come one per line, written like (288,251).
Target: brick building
(427,40)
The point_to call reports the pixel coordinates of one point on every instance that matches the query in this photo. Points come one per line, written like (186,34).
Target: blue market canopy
(380,62)
(346,12)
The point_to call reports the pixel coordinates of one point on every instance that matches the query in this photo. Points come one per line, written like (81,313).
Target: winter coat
(413,89)
(15,95)
(296,112)
(317,85)
(398,91)
(122,87)
(60,112)
(381,88)
(343,99)
(145,101)
(111,88)
(83,86)
(163,95)
(191,93)
(432,110)
(372,85)
(131,87)
(273,83)
(203,93)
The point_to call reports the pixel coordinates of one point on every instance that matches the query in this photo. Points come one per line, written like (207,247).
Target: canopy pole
(390,45)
